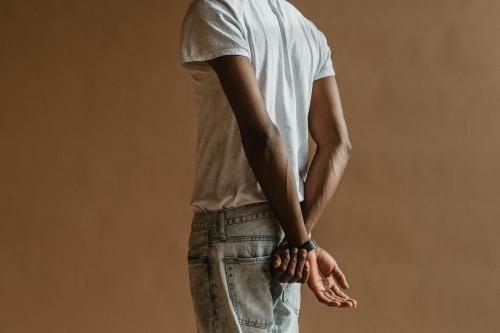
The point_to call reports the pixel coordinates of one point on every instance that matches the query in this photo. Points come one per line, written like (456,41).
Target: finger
(305,273)
(276,260)
(334,299)
(299,268)
(285,258)
(348,303)
(325,297)
(345,302)
(340,277)
(321,297)
(344,299)
(343,295)
(276,266)
(290,270)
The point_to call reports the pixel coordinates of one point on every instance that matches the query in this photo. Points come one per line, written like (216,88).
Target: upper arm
(239,82)
(212,35)
(326,120)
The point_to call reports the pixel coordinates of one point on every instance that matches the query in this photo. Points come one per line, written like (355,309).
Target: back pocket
(249,285)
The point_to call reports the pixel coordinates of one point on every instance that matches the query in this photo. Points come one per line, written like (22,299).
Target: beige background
(97,134)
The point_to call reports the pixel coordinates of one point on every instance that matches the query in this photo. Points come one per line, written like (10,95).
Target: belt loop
(221,231)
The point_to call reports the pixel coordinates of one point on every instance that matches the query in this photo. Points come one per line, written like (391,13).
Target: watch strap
(309,245)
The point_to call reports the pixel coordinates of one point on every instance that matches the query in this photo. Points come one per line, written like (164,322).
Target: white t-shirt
(288,53)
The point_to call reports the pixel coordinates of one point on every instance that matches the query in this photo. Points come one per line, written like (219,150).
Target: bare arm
(328,130)
(262,143)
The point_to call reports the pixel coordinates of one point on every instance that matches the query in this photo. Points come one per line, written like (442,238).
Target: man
(263,79)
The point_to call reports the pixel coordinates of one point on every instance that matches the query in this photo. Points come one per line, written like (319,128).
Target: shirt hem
(187,61)
(324,73)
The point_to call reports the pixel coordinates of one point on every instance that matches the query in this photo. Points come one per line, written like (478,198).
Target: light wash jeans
(229,261)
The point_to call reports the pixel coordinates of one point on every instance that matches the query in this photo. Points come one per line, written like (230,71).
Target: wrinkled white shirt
(288,53)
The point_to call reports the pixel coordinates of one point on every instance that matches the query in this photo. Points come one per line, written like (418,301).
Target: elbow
(347,148)
(260,139)
(342,146)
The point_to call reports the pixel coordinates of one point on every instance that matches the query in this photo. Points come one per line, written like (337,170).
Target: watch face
(311,245)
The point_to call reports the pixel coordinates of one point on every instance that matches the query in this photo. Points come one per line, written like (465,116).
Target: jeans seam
(238,239)
(233,220)
(212,296)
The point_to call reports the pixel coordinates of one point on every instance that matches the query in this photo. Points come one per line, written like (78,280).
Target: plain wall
(97,135)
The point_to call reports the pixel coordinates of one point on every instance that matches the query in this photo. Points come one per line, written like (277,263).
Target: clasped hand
(317,268)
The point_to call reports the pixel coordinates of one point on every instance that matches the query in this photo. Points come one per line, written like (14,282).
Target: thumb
(340,277)
(276,261)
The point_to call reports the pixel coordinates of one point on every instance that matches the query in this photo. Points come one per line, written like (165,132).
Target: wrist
(285,241)
(308,245)
(307,225)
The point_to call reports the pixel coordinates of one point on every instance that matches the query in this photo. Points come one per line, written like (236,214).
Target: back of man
(251,164)
(287,52)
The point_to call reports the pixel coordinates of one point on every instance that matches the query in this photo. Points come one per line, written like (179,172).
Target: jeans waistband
(209,218)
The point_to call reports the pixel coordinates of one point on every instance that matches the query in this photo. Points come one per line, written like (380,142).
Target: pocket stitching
(247,260)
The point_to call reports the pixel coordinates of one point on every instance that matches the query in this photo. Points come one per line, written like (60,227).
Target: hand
(321,282)
(290,265)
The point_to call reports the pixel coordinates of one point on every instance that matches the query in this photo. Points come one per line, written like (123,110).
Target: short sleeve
(325,65)
(210,29)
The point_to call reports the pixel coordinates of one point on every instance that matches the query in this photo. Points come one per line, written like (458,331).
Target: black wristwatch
(309,245)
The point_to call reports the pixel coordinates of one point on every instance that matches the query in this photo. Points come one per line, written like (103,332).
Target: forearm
(325,172)
(272,169)
(262,143)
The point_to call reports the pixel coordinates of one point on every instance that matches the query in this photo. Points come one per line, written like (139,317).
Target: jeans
(229,261)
